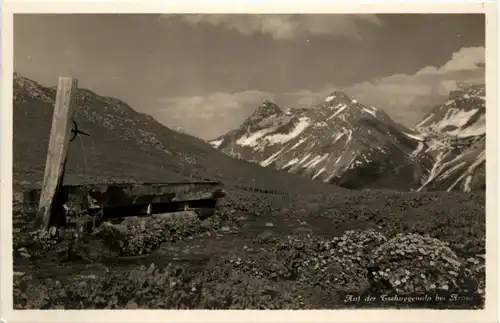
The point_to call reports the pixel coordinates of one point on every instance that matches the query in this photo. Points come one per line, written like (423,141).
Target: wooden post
(58,147)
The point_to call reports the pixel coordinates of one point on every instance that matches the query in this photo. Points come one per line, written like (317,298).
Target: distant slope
(339,141)
(455,135)
(126,145)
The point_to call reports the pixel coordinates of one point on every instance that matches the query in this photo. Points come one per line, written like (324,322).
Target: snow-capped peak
(262,116)
(326,141)
(454,134)
(468,90)
(267,108)
(463,115)
(338,96)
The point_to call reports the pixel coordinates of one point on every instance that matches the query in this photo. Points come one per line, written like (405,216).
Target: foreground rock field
(261,252)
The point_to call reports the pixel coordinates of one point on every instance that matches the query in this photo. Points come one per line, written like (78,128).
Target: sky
(207,73)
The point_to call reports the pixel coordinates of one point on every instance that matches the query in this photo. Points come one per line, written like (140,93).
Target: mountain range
(341,141)
(338,141)
(125,145)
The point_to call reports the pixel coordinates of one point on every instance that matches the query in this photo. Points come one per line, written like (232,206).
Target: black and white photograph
(249,161)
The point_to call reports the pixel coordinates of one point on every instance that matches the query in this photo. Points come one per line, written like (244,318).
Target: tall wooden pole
(58,147)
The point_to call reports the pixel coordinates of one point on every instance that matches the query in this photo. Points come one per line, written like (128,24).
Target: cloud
(210,116)
(466,59)
(407,98)
(285,26)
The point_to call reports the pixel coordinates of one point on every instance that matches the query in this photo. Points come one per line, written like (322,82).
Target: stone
(25,254)
(303,230)
(266,235)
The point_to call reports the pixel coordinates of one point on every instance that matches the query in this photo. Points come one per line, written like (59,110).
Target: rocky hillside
(356,146)
(125,145)
(455,136)
(338,141)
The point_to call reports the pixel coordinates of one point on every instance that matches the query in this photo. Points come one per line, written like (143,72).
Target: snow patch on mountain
(329,98)
(416,137)
(216,143)
(252,139)
(291,162)
(340,108)
(455,118)
(286,137)
(316,160)
(370,112)
(303,160)
(319,172)
(478,128)
(418,150)
(468,175)
(300,142)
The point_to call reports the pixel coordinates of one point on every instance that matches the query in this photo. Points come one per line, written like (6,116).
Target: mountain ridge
(335,133)
(125,145)
(455,133)
(344,142)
